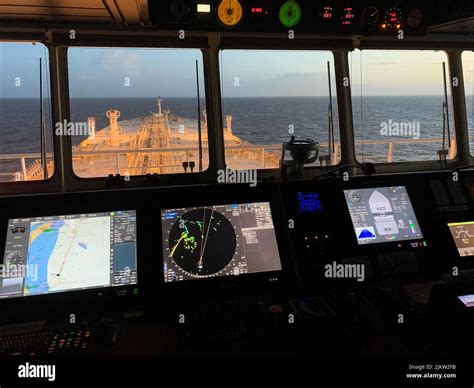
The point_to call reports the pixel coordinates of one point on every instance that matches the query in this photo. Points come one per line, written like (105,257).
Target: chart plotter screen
(463,235)
(382,214)
(69,252)
(204,242)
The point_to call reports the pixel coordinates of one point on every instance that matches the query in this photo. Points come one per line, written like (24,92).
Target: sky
(118,72)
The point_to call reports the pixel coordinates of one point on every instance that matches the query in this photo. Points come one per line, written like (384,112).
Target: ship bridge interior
(237,181)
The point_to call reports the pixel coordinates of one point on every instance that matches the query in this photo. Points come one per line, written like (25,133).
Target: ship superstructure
(157,143)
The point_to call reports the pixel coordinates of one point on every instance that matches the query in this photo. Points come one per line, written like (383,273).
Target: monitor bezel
(448,225)
(211,206)
(80,302)
(376,243)
(224,194)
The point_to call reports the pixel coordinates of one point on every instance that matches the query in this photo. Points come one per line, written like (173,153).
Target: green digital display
(290,13)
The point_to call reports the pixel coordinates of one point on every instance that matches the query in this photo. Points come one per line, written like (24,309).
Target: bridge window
(269,96)
(136,111)
(400,110)
(26,149)
(468,67)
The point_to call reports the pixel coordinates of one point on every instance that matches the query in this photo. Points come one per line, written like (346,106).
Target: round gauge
(18,229)
(15,258)
(202,242)
(355,197)
(230,13)
(392,19)
(290,13)
(415,18)
(179,9)
(463,234)
(370,17)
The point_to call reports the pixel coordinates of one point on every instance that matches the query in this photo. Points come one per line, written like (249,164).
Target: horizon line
(202,97)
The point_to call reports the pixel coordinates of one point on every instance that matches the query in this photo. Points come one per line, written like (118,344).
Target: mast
(44,162)
(199,117)
(158,102)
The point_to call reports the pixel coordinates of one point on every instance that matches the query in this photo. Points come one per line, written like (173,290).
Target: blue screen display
(309,203)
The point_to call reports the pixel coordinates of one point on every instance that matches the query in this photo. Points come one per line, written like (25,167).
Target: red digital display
(348,16)
(327,12)
(257,10)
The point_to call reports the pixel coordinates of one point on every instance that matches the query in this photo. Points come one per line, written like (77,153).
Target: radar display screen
(224,240)
(382,214)
(463,235)
(69,252)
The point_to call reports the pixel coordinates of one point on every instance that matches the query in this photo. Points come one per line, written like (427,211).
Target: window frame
(268,173)
(161,177)
(451,113)
(58,40)
(51,183)
(469,130)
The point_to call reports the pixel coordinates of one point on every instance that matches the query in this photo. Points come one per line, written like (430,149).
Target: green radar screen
(202,242)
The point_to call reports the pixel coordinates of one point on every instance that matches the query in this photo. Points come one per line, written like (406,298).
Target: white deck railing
(262,156)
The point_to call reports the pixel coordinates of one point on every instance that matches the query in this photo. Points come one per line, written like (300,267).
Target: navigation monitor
(382,214)
(69,252)
(204,242)
(468,300)
(463,235)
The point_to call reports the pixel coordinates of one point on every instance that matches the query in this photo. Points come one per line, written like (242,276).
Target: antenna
(44,162)
(446,107)
(443,152)
(199,117)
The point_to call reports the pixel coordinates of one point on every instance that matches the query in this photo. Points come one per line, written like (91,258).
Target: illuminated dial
(370,17)
(230,13)
(415,18)
(179,9)
(18,229)
(15,258)
(290,13)
(392,19)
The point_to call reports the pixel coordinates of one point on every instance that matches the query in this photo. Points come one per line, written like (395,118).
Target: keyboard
(57,340)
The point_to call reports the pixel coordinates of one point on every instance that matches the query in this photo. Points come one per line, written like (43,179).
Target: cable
(367,168)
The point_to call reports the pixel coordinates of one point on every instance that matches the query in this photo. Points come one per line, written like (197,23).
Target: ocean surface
(261,121)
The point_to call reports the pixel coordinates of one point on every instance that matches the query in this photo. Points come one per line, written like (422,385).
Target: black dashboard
(276,237)
(322,268)
(301,16)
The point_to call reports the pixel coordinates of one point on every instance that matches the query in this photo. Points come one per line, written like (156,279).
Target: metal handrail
(266,150)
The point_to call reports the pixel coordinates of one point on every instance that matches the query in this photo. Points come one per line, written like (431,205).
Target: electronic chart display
(382,214)
(463,235)
(213,241)
(69,252)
